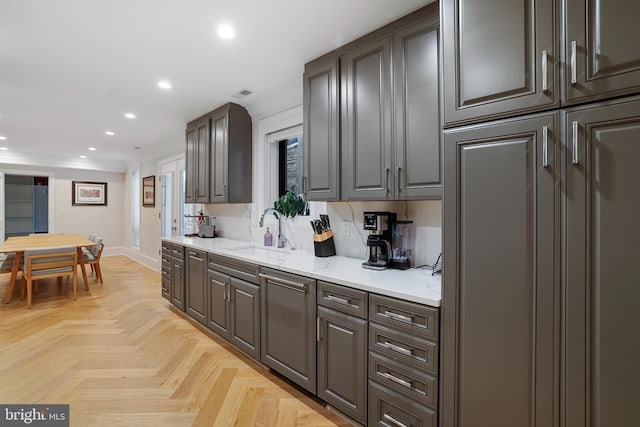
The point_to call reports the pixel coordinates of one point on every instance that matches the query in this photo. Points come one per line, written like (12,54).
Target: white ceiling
(70,69)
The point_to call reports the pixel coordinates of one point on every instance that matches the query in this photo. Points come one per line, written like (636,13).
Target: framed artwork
(149,191)
(87,193)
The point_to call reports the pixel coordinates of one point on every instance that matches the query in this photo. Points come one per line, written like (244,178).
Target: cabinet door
(219,142)
(601,49)
(499,58)
(342,362)
(367,122)
(191,159)
(201,177)
(196,285)
(177,282)
(219,318)
(288,310)
(245,316)
(601,257)
(321,135)
(417,118)
(500,293)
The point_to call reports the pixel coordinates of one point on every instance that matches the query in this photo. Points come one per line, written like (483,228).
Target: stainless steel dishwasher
(288,303)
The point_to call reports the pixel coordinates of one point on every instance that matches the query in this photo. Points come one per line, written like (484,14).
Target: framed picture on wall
(88,193)
(149,191)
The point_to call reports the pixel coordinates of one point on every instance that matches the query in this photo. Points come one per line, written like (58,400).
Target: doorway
(26,205)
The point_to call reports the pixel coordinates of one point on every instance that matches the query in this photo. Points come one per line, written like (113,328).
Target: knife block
(323,244)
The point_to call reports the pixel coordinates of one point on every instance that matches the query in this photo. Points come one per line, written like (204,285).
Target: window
(290,165)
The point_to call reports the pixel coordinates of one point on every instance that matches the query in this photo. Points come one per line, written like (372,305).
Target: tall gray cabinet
(600,305)
(501,293)
(540,214)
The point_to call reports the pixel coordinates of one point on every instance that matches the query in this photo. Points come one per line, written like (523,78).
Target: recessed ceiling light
(3,138)
(110,133)
(92,148)
(164,84)
(4,148)
(83,156)
(226,31)
(130,116)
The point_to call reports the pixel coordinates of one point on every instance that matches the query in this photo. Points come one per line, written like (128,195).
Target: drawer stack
(166,270)
(403,363)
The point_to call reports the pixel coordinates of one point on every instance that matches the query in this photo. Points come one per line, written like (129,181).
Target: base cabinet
(288,313)
(196,289)
(342,350)
(173,277)
(234,304)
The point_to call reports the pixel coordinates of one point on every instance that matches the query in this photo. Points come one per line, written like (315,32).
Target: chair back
(50,262)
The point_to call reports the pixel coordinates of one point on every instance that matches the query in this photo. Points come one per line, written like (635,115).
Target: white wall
(105,221)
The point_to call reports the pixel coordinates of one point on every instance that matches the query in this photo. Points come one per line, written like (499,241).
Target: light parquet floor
(121,357)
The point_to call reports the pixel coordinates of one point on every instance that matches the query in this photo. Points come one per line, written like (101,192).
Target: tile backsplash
(235,221)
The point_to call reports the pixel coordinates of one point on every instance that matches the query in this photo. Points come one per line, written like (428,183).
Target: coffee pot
(378,224)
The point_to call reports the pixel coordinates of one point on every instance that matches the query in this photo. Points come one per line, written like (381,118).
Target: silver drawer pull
(285,282)
(396,380)
(545,85)
(399,317)
(545,146)
(393,420)
(574,140)
(397,348)
(338,299)
(574,60)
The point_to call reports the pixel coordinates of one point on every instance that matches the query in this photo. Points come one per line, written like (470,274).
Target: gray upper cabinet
(501,297)
(218,157)
(417,117)
(321,132)
(366,127)
(500,58)
(600,49)
(231,155)
(600,272)
(197,161)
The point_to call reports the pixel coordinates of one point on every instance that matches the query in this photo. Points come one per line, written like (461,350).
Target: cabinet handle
(399,181)
(304,185)
(393,420)
(574,75)
(545,148)
(399,317)
(338,300)
(228,292)
(318,329)
(396,380)
(288,283)
(545,85)
(397,348)
(387,170)
(574,143)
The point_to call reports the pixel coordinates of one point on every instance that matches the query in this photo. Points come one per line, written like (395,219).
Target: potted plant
(290,205)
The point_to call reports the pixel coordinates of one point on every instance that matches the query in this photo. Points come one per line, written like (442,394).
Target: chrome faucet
(281,238)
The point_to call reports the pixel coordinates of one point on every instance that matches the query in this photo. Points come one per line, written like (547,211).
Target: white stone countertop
(416,285)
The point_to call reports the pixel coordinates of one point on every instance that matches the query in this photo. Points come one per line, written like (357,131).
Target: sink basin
(258,251)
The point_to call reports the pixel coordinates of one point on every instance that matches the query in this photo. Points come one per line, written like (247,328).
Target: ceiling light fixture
(110,133)
(164,85)
(3,138)
(4,148)
(130,115)
(82,156)
(226,32)
(92,148)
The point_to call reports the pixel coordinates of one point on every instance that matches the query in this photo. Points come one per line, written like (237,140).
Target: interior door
(1,207)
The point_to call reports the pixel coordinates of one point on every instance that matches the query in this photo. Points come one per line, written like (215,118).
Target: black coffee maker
(378,224)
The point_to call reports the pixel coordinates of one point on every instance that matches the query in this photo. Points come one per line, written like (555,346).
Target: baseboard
(135,255)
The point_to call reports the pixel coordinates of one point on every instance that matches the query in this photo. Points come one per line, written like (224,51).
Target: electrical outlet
(346,228)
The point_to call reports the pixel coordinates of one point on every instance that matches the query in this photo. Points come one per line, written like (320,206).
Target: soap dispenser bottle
(268,238)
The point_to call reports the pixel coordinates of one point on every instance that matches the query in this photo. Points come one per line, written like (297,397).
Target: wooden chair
(48,263)
(94,260)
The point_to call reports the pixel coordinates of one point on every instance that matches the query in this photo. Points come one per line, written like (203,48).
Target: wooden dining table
(19,244)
